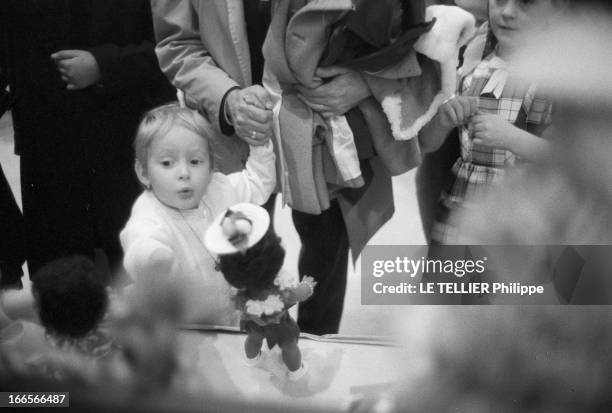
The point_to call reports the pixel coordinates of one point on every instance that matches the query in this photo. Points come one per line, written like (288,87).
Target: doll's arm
(304,289)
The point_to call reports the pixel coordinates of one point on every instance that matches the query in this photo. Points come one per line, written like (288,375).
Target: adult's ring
(253,135)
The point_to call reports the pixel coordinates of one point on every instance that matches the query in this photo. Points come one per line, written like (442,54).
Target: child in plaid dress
(499,117)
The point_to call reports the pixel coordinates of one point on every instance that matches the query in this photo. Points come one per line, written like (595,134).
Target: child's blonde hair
(158,122)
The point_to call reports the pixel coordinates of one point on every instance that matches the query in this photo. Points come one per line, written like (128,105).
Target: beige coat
(202,47)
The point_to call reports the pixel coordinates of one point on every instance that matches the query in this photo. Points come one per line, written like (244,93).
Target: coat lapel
(232,11)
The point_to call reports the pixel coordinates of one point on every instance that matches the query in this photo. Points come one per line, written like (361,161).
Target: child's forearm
(159,265)
(528,146)
(257,181)
(149,259)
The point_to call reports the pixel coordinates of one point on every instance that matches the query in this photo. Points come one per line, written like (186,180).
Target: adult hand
(345,90)
(457,111)
(78,68)
(250,112)
(492,130)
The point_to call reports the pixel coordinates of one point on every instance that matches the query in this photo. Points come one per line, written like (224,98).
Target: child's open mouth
(185,193)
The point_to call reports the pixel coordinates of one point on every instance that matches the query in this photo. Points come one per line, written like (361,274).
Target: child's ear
(141,173)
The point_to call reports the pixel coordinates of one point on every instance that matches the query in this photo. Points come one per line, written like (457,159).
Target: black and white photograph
(340,206)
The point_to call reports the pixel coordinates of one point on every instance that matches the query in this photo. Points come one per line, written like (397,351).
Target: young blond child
(183,193)
(499,116)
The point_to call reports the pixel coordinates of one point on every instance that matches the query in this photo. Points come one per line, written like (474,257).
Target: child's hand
(78,68)
(457,111)
(159,266)
(492,131)
(453,112)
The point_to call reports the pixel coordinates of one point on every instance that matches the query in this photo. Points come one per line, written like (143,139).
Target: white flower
(272,305)
(254,307)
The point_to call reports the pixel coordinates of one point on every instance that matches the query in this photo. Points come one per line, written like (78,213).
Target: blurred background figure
(69,330)
(145,327)
(56,324)
(535,359)
(81,73)
(504,359)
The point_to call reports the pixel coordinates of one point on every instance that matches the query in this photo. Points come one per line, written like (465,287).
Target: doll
(250,256)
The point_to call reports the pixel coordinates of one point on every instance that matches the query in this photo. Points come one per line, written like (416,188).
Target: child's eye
(166,162)
(197,161)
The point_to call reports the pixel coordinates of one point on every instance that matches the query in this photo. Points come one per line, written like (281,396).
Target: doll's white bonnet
(237,229)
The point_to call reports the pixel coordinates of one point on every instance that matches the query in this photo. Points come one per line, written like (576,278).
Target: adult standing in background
(81,73)
(211,50)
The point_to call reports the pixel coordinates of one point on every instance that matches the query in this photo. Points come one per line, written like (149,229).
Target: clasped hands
(488,129)
(249,111)
(337,91)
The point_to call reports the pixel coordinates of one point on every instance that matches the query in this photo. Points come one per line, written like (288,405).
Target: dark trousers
(433,176)
(12,248)
(77,189)
(323,256)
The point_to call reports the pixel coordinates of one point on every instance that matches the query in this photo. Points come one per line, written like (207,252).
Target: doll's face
(178,168)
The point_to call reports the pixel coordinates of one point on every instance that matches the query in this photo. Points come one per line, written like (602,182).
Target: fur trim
(392,106)
(454,27)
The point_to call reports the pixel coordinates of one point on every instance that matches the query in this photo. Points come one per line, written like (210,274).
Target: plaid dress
(479,167)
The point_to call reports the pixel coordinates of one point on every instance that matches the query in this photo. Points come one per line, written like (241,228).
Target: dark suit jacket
(76,158)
